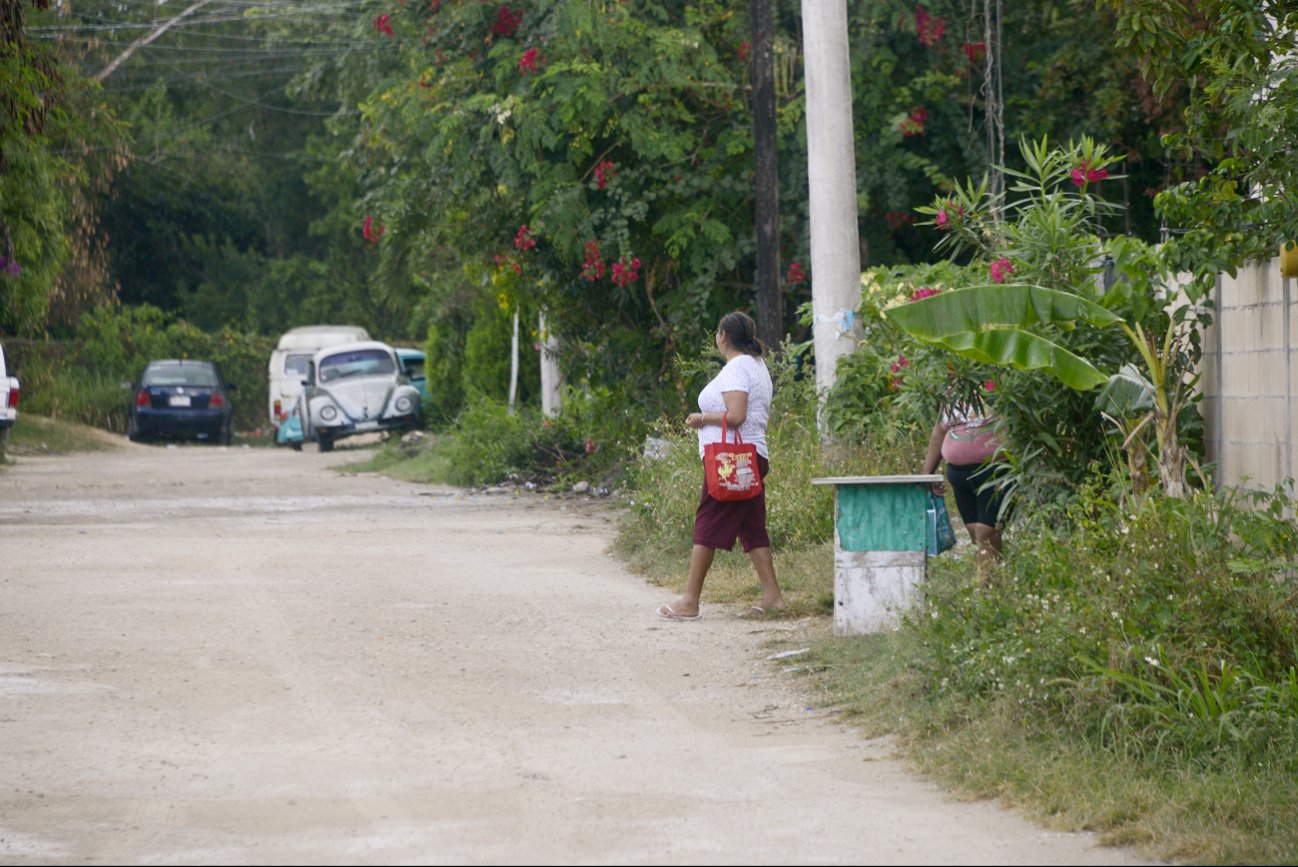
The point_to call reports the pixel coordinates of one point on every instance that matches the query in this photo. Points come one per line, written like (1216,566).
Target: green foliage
(1239,198)
(1160,628)
(82,380)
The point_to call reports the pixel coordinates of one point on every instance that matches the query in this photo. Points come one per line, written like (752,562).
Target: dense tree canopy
(429,168)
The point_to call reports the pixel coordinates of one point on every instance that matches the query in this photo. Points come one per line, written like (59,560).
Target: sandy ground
(241,656)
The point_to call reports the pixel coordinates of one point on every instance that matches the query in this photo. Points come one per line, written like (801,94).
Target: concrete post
(551,375)
(831,169)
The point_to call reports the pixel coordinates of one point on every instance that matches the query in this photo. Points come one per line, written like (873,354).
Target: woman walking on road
(740,395)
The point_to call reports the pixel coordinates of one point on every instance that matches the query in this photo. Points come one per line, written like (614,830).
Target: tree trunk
(770,302)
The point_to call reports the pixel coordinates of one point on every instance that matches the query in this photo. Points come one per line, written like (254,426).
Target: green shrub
(81,380)
(1157,626)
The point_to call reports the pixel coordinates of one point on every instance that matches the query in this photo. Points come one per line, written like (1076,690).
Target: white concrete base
(873,588)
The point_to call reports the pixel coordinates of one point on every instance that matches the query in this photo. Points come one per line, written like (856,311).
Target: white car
(355,388)
(291,362)
(8,403)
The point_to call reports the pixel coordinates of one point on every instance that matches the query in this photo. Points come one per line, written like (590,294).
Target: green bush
(81,380)
(1157,626)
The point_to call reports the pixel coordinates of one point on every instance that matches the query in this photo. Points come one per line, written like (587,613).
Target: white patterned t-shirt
(747,374)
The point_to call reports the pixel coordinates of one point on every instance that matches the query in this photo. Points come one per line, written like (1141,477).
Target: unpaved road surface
(241,656)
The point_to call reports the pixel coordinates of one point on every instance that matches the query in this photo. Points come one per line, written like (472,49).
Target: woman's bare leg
(764,563)
(700,562)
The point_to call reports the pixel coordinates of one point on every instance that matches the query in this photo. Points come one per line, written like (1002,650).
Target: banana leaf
(987,324)
(1127,394)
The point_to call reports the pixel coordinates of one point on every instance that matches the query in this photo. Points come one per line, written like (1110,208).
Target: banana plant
(989,324)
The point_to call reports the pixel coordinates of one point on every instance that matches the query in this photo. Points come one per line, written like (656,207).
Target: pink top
(968,440)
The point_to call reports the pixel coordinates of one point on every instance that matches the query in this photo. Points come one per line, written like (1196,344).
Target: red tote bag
(731,468)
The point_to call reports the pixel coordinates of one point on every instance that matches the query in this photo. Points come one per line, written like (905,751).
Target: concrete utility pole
(831,171)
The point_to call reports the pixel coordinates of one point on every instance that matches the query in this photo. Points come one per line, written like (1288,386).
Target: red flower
(1084,174)
(1001,269)
(914,122)
(383,24)
(528,62)
(593,268)
(370,233)
(923,292)
(605,172)
(524,240)
(795,274)
(897,219)
(434,5)
(507,22)
(745,50)
(929,28)
(975,51)
(625,272)
(990,385)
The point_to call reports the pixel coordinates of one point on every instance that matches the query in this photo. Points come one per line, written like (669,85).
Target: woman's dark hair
(741,332)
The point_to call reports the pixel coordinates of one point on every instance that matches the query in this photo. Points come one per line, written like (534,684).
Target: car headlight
(404,404)
(328,412)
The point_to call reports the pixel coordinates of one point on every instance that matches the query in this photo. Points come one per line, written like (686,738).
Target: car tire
(226,436)
(133,430)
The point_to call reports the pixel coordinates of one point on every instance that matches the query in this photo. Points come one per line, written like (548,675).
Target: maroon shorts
(717,523)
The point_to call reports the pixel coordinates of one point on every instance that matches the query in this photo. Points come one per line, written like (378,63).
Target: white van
(291,362)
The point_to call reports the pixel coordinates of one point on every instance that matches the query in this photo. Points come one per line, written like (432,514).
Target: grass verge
(38,435)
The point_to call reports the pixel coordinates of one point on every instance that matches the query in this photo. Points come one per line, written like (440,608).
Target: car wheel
(226,436)
(133,430)
(297,447)
(326,444)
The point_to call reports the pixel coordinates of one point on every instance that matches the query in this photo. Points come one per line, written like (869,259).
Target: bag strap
(739,440)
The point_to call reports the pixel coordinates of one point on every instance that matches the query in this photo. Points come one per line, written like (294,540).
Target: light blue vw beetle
(350,389)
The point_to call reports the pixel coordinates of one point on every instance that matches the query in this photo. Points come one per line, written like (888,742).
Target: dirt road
(241,656)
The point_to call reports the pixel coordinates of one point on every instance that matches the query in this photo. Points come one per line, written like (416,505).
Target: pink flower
(923,292)
(1001,269)
(370,233)
(990,385)
(507,22)
(946,215)
(524,240)
(528,62)
(795,273)
(605,172)
(744,51)
(383,24)
(975,51)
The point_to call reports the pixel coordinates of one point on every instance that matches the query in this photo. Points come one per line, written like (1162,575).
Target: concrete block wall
(1249,375)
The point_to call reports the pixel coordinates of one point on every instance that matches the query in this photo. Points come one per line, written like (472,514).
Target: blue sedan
(181,399)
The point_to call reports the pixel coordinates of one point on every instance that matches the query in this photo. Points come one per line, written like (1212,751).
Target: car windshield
(299,364)
(180,374)
(361,362)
